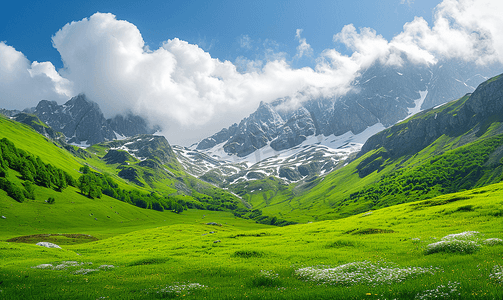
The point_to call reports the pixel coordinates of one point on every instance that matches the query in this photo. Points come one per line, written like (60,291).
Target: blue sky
(195,67)
(216,26)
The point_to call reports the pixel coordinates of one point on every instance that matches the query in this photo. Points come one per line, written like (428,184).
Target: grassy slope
(24,137)
(149,260)
(165,181)
(331,196)
(75,213)
(168,179)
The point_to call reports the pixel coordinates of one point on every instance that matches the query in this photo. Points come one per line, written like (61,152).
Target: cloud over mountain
(182,88)
(22,82)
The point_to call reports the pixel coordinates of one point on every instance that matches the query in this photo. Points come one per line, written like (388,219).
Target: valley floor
(409,251)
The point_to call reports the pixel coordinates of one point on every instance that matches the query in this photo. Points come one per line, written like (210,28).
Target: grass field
(381,254)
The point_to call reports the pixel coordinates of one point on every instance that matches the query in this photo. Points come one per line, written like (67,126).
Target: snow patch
(344,144)
(119,136)
(418,103)
(83,144)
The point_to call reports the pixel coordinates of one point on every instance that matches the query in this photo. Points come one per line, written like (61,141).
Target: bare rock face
(130,125)
(252,133)
(255,131)
(117,157)
(81,120)
(295,131)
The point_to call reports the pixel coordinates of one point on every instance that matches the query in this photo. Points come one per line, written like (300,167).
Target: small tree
(85,169)
(88,186)
(60,180)
(51,200)
(178,208)
(30,190)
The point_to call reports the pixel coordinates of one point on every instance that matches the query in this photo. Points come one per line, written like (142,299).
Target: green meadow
(425,223)
(145,254)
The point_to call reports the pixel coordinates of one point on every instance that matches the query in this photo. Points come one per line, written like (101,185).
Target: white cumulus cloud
(178,86)
(192,95)
(24,83)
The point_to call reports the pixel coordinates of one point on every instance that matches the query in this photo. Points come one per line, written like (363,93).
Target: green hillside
(454,147)
(160,172)
(26,138)
(33,166)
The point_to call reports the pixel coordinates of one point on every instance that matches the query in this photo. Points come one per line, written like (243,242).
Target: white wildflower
(85,271)
(48,245)
(461,236)
(179,288)
(453,246)
(497,273)
(363,272)
(43,266)
(493,242)
(440,292)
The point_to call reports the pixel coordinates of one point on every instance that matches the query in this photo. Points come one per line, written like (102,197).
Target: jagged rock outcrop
(117,157)
(79,119)
(34,122)
(289,174)
(252,133)
(219,137)
(82,121)
(9,113)
(148,147)
(295,131)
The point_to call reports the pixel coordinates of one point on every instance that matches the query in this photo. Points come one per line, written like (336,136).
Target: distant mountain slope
(449,148)
(150,178)
(381,94)
(473,113)
(82,121)
(317,155)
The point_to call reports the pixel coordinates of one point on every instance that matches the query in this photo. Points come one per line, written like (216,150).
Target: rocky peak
(252,133)
(82,121)
(255,131)
(380,94)
(130,125)
(266,114)
(295,130)
(79,119)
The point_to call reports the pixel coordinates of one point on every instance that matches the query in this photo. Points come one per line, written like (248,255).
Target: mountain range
(280,139)
(381,94)
(297,142)
(450,147)
(82,122)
